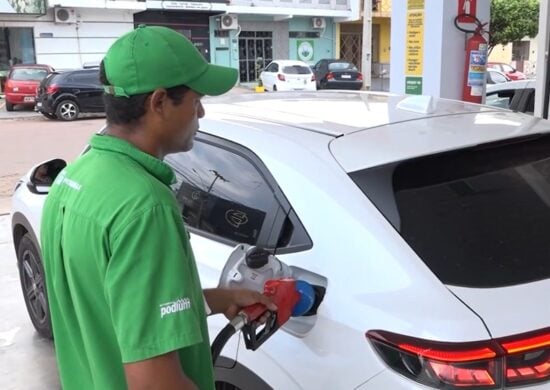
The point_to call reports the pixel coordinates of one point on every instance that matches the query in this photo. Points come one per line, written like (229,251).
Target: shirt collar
(153,165)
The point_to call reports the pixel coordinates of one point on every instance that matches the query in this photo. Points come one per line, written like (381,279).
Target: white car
(288,75)
(424,220)
(516,95)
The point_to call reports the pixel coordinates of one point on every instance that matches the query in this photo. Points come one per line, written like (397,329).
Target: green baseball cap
(152,57)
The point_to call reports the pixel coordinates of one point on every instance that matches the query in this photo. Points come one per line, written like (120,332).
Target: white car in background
(424,220)
(516,95)
(288,75)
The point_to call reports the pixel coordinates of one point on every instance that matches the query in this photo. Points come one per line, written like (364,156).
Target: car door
(85,86)
(228,197)
(320,70)
(270,74)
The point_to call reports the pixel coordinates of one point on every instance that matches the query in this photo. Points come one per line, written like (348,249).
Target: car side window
(226,196)
(222,193)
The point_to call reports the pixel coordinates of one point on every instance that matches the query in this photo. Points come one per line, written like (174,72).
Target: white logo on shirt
(175,306)
(63,179)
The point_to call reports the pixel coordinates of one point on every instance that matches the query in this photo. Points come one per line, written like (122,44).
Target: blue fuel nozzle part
(307,298)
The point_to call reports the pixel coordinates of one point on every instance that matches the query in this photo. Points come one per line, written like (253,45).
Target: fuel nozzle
(292,297)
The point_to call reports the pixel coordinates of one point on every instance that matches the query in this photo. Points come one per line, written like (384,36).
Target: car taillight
(312,77)
(330,76)
(8,86)
(360,76)
(440,365)
(528,359)
(281,76)
(51,89)
(493,364)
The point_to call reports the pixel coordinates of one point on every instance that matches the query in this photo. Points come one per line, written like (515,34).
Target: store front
(16,46)
(194,25)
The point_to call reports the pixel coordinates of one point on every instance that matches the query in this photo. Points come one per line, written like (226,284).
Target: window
(341,66)
(496,78)
(477,217)
(296,69)
(28,74)
(273,67)
(228,197)
(90,78)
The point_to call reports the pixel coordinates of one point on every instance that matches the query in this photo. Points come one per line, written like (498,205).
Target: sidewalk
(5,206)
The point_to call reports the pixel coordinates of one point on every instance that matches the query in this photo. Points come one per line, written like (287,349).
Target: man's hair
(128,110)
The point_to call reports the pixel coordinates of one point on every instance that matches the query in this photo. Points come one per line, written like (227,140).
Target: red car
(22,82)
(511,72)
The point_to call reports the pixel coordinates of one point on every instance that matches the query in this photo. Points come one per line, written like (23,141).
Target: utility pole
(366,57)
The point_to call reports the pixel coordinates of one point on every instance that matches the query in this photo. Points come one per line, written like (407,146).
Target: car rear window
(28,74)
(296,69)
(341,66)
(477,217)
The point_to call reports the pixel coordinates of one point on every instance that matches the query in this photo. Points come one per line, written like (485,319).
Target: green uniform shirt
(121,279)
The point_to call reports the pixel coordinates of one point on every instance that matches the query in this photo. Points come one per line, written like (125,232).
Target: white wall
(71,45)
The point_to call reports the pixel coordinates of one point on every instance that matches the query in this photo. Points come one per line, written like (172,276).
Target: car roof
(290,62)
(515,84)
(335,113)
(39,66)
(366,129)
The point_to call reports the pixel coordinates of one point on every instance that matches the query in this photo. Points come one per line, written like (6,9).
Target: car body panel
(374,278)
(515,95)
(20,88)
(509,71)
(514,303)
(373,147)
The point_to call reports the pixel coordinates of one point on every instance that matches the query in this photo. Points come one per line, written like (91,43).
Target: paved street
(24,143)
(27,138)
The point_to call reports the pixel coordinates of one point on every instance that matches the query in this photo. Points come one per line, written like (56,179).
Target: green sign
(305,50)
(413,85)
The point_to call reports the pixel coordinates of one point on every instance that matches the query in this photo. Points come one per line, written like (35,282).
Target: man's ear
(157,101)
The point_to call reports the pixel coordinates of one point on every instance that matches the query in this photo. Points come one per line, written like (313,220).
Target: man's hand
(231,301)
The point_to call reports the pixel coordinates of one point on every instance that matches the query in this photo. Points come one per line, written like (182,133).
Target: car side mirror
(43,175)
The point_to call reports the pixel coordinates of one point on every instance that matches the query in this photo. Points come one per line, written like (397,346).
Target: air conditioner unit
(229,22)
(64,15)
(318,22)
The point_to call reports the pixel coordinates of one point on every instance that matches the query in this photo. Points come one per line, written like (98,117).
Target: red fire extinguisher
(475,66)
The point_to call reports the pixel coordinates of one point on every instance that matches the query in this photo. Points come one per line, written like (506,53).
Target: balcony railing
(323,4)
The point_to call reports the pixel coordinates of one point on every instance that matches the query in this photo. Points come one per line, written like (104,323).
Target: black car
(65,95)
(337,74)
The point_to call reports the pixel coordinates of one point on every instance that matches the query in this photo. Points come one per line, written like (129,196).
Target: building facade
(351,42)
(244,34)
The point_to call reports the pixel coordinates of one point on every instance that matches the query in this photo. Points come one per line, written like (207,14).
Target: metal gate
(350,47)
(254,45)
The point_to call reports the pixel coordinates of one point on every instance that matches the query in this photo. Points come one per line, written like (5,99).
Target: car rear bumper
(20,98)
(294,87)
(45,105)
(343,84)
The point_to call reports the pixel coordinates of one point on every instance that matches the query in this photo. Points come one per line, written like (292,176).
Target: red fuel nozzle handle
(253,312)
(283,293)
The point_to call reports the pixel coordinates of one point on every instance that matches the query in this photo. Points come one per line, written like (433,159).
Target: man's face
(181,122)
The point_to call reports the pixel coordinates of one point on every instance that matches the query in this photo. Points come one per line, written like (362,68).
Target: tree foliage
(512,20)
